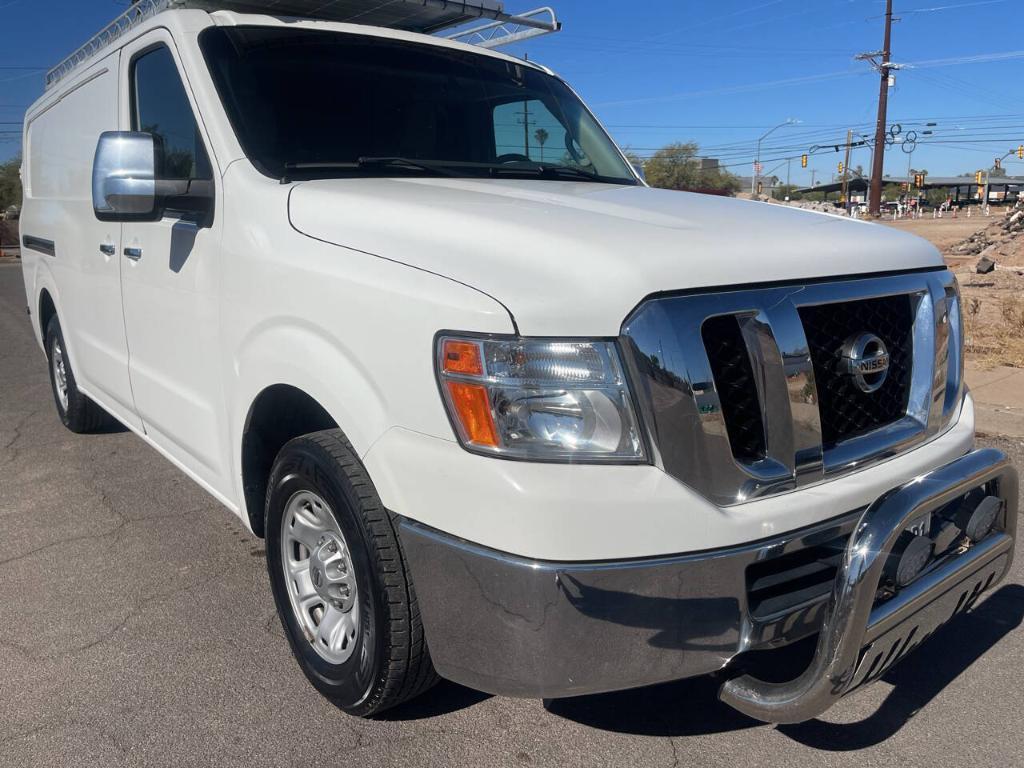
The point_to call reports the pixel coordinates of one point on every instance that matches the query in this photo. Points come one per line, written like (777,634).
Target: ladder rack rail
(427,16)
(133,17)
(541,21)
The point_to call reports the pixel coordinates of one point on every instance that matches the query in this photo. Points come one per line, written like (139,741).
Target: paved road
(136,628)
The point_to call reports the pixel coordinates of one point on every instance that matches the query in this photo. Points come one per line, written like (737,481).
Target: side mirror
(639,169)
(124,177)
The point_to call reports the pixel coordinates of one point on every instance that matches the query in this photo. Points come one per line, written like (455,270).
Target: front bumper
(520,627)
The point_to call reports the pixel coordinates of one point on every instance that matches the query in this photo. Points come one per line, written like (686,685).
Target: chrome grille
(742,394)
(846,411)
(734,378)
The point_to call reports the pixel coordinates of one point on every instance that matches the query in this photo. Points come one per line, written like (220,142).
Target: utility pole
(789,162)
(885,67)
(846,170)
(814,172)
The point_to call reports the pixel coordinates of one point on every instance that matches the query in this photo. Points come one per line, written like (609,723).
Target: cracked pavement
(137,629)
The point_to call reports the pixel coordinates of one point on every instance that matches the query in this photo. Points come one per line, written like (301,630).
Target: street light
(988,175)
(757,161)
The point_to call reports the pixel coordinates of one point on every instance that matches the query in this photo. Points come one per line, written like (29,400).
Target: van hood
(574,258)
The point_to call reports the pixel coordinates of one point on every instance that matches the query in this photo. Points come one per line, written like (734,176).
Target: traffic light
(979,178)
(919,180)
(905,186)
(760,188)
(842,167)
(999,163)
(803,161)
(1020,152)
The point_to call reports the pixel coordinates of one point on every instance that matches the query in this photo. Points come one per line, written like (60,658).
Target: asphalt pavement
(137,629)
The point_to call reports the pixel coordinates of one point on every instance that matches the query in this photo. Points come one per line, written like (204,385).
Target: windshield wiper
(568,170)
(367,162)
(549,171)
(404,162)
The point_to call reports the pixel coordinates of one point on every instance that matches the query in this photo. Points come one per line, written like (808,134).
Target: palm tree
(542,138)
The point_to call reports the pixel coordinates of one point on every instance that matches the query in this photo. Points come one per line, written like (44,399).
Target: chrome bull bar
(859,641)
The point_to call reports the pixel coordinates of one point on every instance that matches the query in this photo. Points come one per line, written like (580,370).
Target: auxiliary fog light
(909,557)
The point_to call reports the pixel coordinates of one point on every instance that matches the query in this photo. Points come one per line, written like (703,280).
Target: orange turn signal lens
(473,410)
(463,357)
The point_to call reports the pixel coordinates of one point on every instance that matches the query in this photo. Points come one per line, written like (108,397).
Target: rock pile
(994,238)
(810,205)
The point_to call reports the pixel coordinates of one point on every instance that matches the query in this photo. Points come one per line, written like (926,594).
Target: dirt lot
(945,232)
(993,302)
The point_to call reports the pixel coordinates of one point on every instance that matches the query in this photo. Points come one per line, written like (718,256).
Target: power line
(736,88)
(933,9)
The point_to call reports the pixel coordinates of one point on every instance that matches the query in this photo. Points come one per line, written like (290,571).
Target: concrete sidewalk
(998,399)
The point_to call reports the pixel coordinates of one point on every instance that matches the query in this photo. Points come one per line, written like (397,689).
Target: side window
(528,129)
(160,106)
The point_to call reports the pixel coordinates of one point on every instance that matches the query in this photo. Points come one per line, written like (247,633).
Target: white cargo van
(503,413)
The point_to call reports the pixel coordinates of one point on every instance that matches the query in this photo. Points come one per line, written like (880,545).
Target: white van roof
(425,16)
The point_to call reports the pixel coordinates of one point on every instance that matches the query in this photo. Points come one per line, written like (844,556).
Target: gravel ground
(137,629)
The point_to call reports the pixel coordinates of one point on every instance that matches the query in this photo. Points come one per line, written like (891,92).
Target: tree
(782,191)
(936,196)
(542,137)
(10,183)
(892,192)
(677,167)
(674,167)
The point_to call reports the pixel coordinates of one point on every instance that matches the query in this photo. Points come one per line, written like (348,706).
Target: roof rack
(509,30)
(427,16)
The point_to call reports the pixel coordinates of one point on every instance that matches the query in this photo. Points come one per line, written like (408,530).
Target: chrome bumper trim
(859,641)
(519,627)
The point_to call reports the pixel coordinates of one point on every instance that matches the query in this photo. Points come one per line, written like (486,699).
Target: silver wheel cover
(60,374)
(319,577)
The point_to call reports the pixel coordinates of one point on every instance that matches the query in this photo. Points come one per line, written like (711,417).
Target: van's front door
(170,273)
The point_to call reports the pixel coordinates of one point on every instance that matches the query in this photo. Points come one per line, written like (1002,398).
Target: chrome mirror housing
(124,177)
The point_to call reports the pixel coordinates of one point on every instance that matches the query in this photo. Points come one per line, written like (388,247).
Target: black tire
(81,414)
(390,662)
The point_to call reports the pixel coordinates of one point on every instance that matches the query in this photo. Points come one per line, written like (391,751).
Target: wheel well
(47,309)
(279,414)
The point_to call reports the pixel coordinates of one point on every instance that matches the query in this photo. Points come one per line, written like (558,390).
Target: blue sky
(721,74)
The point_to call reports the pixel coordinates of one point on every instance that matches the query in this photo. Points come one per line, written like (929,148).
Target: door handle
(107,249)
(133,253)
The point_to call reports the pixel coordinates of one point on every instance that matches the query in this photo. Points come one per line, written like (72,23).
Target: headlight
(539,399)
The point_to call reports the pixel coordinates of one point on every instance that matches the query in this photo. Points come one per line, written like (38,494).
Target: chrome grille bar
(684,407)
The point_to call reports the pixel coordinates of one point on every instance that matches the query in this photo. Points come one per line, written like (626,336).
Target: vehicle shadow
(443,699)
(110,426)
(691,707)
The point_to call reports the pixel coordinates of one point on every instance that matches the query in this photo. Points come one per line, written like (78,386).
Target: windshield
(309,104)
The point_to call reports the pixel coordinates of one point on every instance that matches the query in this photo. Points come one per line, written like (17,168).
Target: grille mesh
(737,388)
(846,411)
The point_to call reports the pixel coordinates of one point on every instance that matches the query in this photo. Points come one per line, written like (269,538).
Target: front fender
(293,352)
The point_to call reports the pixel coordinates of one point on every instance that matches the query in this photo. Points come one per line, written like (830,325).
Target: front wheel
(342,589)
(77,412)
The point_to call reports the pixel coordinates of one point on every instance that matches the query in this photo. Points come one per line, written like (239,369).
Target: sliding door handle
(107,249)
(133,253)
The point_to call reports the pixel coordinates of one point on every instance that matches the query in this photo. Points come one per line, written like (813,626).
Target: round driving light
(983,518)
(907,563)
